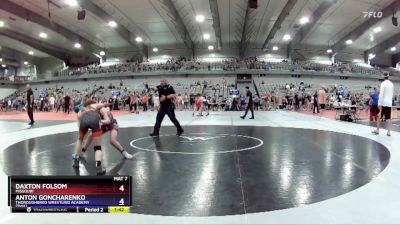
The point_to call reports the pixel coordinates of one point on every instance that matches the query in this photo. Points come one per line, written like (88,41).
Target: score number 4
(121,188)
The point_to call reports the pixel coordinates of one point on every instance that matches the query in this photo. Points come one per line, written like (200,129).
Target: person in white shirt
(9,103)
(385,104)
(52,101)
(156,102)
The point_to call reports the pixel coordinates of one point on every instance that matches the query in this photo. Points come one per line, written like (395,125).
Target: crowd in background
(227,64)
(294,97)
(223,64)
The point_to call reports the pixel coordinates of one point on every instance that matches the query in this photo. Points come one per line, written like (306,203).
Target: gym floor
(282,167)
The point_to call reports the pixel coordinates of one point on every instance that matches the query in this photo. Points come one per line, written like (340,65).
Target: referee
(29,103)
(250,104)
(166,93)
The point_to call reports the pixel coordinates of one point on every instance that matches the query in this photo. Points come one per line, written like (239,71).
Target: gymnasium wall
(47,67)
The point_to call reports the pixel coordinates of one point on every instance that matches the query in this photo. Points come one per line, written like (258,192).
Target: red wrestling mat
(47,115)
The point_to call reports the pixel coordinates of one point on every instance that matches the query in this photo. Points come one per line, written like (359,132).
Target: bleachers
(175,66)
(4,92)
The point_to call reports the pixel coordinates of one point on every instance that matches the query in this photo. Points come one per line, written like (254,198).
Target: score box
(69,191)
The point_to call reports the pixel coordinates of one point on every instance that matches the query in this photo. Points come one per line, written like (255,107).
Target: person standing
(52,102)
(179,102)
(315,103)
(60,103)
(156,101)
(322,98)
(145,102)
(296,102)
(373,105)
(132,100)
(186,101)
(192,99)
(166,94)
(250,104)
(385,102)
(67,101)
(9,105)
(30,103)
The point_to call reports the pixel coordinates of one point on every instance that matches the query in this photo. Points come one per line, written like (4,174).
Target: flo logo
(197,143)
(199,138)
(372,14)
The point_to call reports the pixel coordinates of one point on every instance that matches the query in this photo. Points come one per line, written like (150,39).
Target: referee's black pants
(66,108)
(249,107)
(166,110)
(30,113)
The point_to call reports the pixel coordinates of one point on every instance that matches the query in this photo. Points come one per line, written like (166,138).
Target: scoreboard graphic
(38,194)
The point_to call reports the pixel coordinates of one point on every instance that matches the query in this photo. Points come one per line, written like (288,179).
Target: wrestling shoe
(127,155)
(100,170)
(81,156)
(179,133)
(154,135)
(76,163)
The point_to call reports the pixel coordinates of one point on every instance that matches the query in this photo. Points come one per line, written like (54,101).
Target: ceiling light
(206,36)
(1,23)
(349,42)
(3,65)
(102,53)
(1,59)
(286,37)
(112,24)
(377,29)
(210,47)
(25,63)
(43,35)
(304,20)
(71,2)
(200,18)
(155,49)
(393,49)
(275,48)
(139,39)
(371,56)
(77,45)
(329,51)
(30,53)
(371,37)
